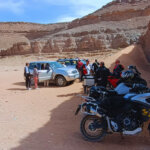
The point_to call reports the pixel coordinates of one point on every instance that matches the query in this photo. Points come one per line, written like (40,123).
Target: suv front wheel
(60,81)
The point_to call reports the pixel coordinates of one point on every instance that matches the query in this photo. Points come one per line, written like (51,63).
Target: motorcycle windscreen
(122,89)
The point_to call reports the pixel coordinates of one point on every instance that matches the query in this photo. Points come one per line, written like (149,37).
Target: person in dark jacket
(101,75)
(95,66)
(118,69)
(27,76)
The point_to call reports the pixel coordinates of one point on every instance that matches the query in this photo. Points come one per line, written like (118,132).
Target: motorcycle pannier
(88,81)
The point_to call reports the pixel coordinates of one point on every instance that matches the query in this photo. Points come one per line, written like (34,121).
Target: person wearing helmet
(127,77)
(118,69)
(101,75)
(127,74)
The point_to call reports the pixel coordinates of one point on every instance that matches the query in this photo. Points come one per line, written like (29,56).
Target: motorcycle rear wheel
(89,130)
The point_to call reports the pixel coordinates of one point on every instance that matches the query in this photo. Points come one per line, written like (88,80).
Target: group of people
(99,71)
(29,76)
(84,69)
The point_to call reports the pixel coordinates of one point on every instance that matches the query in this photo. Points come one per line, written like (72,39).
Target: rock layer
(145,43)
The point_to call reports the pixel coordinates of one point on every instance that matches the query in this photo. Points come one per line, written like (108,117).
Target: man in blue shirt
(27,76)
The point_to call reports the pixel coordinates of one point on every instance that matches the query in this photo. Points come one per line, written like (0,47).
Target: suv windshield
(31,66)
(70,62)
(56,65)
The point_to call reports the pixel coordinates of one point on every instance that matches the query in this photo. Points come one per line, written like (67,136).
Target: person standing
(35,76)
(101,75)
(88,67)
(27,76)
(84,72)
(80,68)
(46,82)
(118,69)
(95,66)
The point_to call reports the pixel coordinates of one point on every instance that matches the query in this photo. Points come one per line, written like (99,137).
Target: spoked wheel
(61,81)
(93,128)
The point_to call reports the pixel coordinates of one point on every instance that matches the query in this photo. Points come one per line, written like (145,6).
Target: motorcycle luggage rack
(88,98)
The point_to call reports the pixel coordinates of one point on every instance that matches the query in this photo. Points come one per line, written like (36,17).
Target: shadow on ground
(62,132)
(41,85)
(16,89)
(19,83)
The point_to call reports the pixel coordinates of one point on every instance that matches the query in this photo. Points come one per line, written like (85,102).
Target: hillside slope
(132,55)
(116,25)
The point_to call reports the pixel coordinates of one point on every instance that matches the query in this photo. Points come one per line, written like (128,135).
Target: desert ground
(44,119)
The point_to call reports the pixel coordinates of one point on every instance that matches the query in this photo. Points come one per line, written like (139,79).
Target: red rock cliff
(116,25)
(145,43)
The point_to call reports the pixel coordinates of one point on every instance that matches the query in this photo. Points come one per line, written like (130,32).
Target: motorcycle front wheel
(93,128)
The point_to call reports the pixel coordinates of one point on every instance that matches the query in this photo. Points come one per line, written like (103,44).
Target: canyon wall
(116,25)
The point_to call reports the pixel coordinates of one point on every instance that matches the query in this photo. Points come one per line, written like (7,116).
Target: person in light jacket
(46,82)
(88,67)
(35,76)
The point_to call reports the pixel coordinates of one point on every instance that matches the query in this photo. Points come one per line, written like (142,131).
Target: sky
(47,11)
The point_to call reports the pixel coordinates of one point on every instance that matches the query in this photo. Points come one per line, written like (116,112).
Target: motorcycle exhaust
(94,112)
(136,131)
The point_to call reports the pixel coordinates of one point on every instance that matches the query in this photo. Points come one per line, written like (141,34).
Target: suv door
(44,74)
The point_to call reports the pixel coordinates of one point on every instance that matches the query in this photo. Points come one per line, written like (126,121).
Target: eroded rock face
(145,42)
(116,25)
(18,48)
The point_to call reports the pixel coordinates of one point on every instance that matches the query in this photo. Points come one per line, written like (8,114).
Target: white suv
(56,73)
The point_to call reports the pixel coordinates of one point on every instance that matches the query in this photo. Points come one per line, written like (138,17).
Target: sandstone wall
(145,42)
(116,25)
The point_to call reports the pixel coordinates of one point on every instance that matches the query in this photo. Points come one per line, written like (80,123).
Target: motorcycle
(112,113)
(136,78)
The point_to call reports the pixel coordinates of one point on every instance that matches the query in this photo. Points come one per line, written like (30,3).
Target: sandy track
(44,119)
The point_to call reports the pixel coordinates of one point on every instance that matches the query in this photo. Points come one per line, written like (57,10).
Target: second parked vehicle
(70,62)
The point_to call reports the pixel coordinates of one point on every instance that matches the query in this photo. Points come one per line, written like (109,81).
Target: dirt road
(44,119)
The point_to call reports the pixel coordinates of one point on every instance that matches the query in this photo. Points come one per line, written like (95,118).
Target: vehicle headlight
(72,72)
(69,72)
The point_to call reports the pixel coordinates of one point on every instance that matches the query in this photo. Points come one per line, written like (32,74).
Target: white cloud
(84,11)
(65,19)
(89,3)
(77,14)
(92,3)
(79,8)
(12,5)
